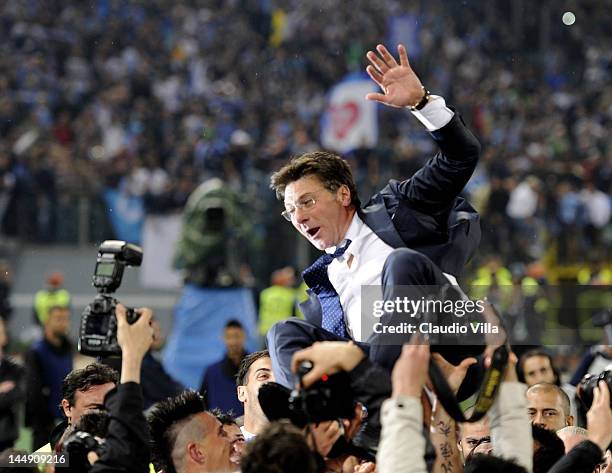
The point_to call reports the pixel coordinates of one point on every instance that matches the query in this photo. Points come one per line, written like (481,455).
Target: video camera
(98,331)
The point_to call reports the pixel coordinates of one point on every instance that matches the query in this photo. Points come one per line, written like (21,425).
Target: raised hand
(454,374)
(400,85)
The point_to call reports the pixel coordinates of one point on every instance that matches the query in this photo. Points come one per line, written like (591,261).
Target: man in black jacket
(127,442)
(585,456)
(417,232)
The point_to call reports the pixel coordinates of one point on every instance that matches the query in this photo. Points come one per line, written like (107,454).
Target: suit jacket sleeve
(434,187)
(127,441)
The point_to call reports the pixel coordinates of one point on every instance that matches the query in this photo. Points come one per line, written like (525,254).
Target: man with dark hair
(549,407)
(188,439)
(280,447)
(536,366)
(219,381)
(482,463)
(232,429)
(255,370)
(84,390)
(126,446)
(548,448)
(47,363)
(416,232)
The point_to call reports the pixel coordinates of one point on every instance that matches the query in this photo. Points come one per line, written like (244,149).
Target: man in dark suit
(416,232)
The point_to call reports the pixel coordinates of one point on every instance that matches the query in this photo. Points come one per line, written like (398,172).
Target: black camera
(329,398)
(589,382)
(77,446)
(98,332)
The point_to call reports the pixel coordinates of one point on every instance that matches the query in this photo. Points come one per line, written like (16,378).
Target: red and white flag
(350,121)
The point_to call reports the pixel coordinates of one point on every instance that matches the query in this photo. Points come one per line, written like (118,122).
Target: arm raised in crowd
(510,426)
(402,415)
(127,442)
(443,431)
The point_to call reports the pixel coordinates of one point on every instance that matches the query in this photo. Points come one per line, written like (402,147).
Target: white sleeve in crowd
(402,425)
(510,426)
(435,114)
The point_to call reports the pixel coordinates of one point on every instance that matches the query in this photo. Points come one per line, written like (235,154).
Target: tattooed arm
(443,436)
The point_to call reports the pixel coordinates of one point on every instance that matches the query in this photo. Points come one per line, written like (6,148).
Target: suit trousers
(403,267)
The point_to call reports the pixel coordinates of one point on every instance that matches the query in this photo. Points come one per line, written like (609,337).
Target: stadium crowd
(151,98)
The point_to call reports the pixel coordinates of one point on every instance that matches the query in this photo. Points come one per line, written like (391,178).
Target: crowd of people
(372,422)
(151,99)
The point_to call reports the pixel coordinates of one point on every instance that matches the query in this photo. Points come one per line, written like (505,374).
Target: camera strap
(493,375)
(487,393)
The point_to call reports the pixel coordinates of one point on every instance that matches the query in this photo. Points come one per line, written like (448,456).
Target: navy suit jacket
(425,213)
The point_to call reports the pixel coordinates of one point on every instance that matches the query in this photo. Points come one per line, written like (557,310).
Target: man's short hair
(245,366)
(548,449)
(520,371)
(329,168)
(94,374)
(480,463)
(226,418)
(163,419)
(280,447)
(548,388)
(574,430)
(94,422)
(233,323)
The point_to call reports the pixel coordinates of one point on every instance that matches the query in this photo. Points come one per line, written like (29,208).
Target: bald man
(549,407)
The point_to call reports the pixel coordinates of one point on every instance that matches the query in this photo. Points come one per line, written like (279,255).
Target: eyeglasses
(305,203)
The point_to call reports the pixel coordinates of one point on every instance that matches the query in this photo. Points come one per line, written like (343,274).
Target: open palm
(400,85)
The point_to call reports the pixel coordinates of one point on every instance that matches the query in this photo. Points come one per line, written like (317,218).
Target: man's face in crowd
(216,445)
(475,438)
(325,224)
(259,373)
(234,434)
(85,401)
(58,322)
(537,369)
(234,338)
(545,410)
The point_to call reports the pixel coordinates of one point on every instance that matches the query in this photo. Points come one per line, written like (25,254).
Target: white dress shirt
(367,252)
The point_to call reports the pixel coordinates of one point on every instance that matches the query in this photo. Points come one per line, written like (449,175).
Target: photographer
(585,456)
(126,447)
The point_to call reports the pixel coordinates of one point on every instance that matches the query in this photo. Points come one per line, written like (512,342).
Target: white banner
(159,237)
(350,121)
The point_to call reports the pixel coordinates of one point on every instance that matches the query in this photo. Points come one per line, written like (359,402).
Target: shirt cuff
(435,114)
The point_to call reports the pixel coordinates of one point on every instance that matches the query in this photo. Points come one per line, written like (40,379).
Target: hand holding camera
(599,417)
(135,341)
(98,332)
(327,358)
